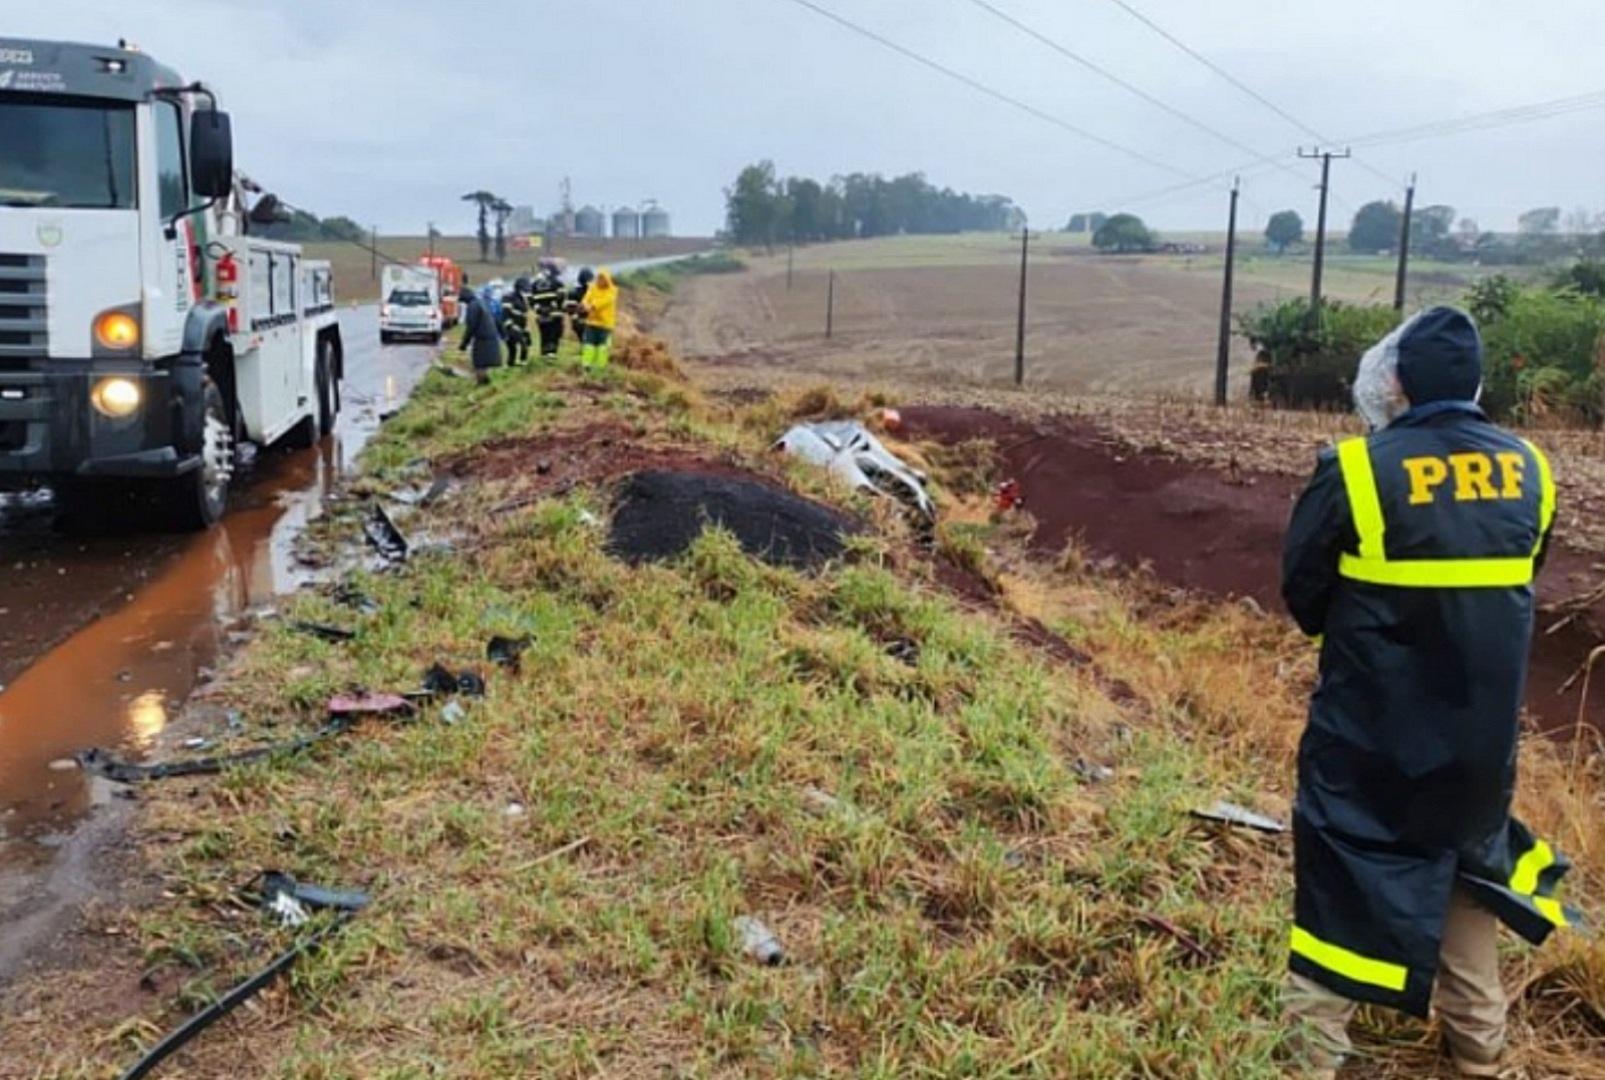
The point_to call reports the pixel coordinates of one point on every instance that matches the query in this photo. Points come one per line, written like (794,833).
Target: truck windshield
(66,152)
(409,298)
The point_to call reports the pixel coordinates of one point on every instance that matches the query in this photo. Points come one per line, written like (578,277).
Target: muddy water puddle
(104,640)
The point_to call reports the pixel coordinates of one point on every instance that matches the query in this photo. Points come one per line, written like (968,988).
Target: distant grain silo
(626,224)
(655,222)
(590,222)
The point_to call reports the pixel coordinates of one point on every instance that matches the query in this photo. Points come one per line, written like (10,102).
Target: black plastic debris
(660,514)
(507,652)
(101,763)
(904,650)
(279,892)
(323,631)
(439,681)
(383,535)
(347,595)
(1232,814)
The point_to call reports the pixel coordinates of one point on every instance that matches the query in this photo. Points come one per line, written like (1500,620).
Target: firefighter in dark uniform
(1411,555)
(515,322)
(547,298)
(575,296)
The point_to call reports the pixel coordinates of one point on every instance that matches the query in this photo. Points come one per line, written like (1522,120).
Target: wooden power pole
(1223,347)
(1404,244)
(1325,157)
(1019,333)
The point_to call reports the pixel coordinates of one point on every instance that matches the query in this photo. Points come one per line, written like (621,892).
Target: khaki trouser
(1469,999)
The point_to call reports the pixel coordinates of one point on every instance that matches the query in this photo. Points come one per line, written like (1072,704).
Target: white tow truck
(145,333)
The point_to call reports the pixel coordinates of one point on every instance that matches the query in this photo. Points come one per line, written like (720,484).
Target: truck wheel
(434,339)
(196,500)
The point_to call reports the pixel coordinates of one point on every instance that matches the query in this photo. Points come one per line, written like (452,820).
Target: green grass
(963,904)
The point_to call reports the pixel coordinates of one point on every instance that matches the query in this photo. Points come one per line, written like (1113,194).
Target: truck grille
(24,310)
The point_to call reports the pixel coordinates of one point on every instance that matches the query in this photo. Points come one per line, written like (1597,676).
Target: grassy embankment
(959,892)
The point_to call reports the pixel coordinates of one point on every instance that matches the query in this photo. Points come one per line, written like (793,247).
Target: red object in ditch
(1009,495)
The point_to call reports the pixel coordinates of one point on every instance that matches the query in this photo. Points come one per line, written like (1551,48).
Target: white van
(409,303)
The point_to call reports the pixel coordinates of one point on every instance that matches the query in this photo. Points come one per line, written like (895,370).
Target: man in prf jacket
(1411,555)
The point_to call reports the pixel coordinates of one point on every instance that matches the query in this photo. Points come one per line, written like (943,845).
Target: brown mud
(1220,531)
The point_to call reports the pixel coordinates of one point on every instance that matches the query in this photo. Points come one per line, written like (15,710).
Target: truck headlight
(117,330)
(116,397)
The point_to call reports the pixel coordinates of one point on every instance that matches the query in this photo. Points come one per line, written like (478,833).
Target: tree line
(1543,234)
(764,208)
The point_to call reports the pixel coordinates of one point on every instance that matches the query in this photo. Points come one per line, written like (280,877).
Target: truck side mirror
(211,154)
(268,211)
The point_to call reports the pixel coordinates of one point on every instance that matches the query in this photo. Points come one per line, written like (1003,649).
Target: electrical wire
(1124,84)
(1242,86)
(1520,114)
(995,94)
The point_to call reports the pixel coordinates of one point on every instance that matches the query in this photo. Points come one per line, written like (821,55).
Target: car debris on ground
(848,450)
(1231,814)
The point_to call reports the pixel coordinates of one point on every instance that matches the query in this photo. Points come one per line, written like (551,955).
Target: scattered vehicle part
(453,713)
(369,705)
(103,764)
(348,595)
(905,650)
(892,420)
(514,809)
(1232,814)
(507,652)
(759,942)
(383,535)
(1009,496)
(1091,771)
(1183,938)
(848,449)
(423,496)
(276,890)
(821,802)
(323,631)
(440,682)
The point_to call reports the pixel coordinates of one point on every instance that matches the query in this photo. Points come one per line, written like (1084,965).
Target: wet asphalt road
(101,639)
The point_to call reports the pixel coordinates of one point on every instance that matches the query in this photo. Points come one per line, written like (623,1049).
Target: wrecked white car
(849,450)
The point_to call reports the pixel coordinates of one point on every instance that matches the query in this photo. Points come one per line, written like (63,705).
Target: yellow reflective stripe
(1546,498)
(1350,965)
(1538,859)
(1439,573)
(1551,910)
(1354,461)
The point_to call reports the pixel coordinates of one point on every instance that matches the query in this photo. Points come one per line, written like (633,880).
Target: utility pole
(373,253)
(431,239)
(1019,333)
(1404,244)
(830,306)
(1325,157)
(789,250)
(1223,348)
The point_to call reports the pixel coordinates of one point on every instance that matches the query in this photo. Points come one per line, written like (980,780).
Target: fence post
(1019,334)
(830,306)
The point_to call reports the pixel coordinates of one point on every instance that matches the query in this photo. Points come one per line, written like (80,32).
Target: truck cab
(144,334)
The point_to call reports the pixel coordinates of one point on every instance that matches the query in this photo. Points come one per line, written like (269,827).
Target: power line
(1124,84)
(1244,87)
(990,92)
(1520,114)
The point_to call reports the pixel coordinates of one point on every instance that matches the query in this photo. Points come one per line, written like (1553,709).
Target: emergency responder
(1411,557)
(515,322)
(481,333)
(600,310)
(547,297)
(576,296)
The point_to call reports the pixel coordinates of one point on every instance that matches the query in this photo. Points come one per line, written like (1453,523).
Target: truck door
(171,284)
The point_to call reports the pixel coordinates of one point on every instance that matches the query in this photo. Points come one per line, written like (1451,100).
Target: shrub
(1543,356)
(1309,363)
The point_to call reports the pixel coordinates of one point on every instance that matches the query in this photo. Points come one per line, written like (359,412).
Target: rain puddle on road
(116,681)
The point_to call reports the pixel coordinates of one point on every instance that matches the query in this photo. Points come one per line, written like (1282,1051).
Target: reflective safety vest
(1370,563)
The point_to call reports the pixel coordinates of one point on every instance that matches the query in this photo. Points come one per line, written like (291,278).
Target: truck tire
(197,500)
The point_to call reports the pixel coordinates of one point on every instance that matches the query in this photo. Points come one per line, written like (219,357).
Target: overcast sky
(389,110)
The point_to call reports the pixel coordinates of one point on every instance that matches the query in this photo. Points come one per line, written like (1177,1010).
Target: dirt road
(1094,323)
(101,640)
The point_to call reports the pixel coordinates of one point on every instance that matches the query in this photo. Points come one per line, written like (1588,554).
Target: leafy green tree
(1124,233)
(1376,227)
(752,206)
(1540,221)
(1431,229)
(1284,229)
